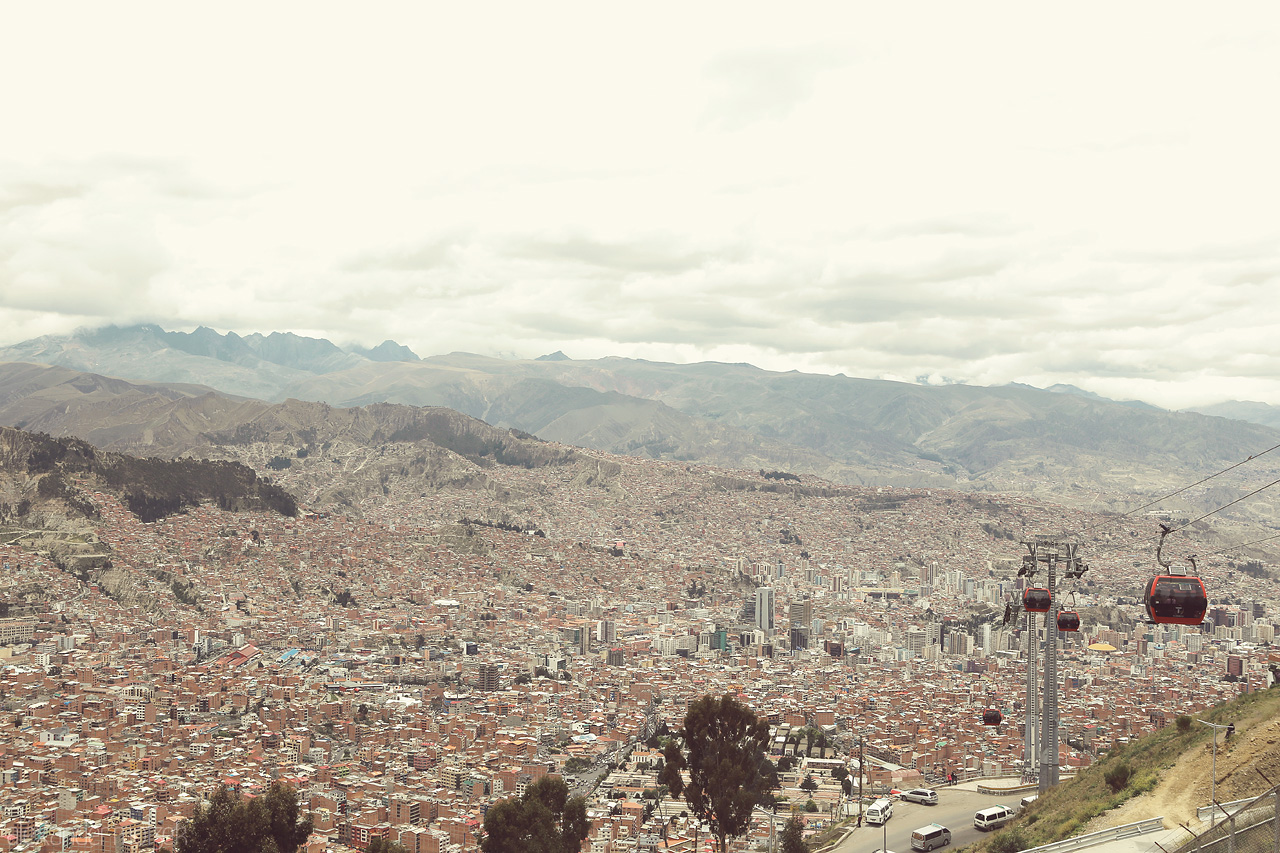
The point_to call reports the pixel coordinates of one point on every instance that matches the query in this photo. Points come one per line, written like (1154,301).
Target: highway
(954,810)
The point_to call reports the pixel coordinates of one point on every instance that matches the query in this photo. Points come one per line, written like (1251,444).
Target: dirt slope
(1252,754)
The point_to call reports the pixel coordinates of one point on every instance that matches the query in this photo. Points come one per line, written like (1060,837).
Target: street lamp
(1213,795)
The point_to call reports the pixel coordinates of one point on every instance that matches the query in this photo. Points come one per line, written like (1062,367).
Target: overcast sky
(976,192)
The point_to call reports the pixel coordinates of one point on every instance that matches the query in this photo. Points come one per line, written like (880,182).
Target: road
(954,810)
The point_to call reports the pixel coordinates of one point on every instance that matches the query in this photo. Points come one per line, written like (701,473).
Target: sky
(1083,193)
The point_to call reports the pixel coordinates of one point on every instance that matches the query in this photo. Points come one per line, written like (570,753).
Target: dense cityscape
(407,660)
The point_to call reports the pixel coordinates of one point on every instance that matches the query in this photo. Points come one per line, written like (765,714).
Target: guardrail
(1151,824)
(1029,788)
(1015,790)
(1205,812)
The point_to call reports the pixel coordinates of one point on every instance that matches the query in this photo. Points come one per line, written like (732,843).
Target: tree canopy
(726,743)
(543,820)
(672,763)
(793,837)
(234,824)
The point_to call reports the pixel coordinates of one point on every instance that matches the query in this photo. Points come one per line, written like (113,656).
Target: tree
(840,773)
(726,742)
(669,779)
(846,785)
(1117,778)
(809,785)
(543,820)
(1184,723)
(382,845)
(793,837)
(811,806)
(230,824)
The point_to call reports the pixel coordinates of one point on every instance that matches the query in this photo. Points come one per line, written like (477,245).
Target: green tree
(726,742)
(672,763)
(1117,778)
(811,806)
(381,845)
(543,820)
(574,764)
(1183,722)
(793,837)
(230,824)
(809,785)
(840,773)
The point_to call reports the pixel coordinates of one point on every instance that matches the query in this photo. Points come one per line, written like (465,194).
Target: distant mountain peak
(1062,388)
(388,350)
(554,356)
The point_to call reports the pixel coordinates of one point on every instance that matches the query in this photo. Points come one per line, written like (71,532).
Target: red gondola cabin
(1176,600)
(1036,600)
(1068,620)
(991,717)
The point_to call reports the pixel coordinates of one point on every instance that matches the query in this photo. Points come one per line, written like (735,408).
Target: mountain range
(141,389)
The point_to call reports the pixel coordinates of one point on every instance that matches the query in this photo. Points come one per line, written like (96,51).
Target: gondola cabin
(1176,600)
(991,717)
(1036,600)
(1068,620)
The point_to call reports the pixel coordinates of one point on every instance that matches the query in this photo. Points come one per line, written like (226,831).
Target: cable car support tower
(1041,741)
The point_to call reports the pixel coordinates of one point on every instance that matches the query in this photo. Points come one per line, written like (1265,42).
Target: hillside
(1171,775)
(1014,439)
(38,472)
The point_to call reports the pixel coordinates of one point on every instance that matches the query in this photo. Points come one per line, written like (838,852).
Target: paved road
(954,810)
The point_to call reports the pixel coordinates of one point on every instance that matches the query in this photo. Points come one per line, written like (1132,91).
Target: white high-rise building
(764,610)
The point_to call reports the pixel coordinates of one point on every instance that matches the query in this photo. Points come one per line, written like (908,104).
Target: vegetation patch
(1125,772)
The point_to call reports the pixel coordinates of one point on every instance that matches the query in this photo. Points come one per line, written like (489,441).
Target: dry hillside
(1244,766)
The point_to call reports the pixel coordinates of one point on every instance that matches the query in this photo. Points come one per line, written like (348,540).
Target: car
(928,837)
(879,812)
(928,796)
(992,817)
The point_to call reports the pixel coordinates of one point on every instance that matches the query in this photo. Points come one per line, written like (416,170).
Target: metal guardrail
(1205,812)
(1151,824)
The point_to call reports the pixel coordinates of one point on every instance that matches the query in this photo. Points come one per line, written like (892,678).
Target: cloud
(961,200)
(756,85)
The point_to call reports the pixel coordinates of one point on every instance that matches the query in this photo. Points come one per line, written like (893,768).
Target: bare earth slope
(1253,750)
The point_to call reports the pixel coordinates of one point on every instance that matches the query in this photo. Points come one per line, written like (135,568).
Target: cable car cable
(1167,530)
(1241,545)
(1178,492)
(1225,506)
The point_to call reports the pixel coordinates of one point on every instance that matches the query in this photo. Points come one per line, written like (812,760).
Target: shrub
(1012,840)
(1183,722)
(1117,778)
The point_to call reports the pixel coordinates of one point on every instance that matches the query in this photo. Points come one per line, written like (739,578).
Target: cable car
(1176,600)
(991,717)
(1036,600)
(1068,620)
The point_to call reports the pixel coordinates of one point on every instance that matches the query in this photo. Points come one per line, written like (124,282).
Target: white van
(992,817)
(928,837)
(879,812)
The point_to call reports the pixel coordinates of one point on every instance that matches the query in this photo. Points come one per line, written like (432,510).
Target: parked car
(928,796)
